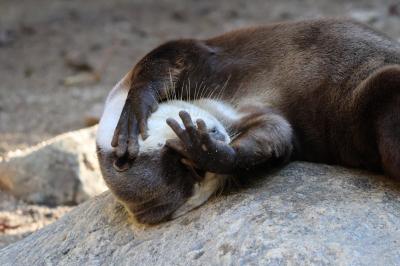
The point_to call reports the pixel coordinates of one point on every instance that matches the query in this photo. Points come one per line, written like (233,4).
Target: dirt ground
(47,45)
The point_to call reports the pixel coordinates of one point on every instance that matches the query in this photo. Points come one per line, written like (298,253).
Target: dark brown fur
(318,74)
(336,82)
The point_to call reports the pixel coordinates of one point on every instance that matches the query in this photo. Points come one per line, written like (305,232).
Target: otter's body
(324,91)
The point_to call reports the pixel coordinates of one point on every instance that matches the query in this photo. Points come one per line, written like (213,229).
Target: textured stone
(63,170)
(303,214)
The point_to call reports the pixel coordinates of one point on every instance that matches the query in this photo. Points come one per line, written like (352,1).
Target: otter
(325,91)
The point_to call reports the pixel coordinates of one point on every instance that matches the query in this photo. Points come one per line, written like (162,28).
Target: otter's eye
(216,134)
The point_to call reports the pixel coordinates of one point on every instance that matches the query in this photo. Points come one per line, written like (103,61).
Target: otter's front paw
(138,107)
(198,146)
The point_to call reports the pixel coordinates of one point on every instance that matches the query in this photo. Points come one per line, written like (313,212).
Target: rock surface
(63,170)
(19,219)
(304,214)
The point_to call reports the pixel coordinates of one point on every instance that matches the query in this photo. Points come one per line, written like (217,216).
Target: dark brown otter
(336,82)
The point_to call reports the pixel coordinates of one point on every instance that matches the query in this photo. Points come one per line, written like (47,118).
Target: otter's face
(153,187)
(157,186)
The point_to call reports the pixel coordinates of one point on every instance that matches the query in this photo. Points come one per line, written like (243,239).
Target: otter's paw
(138,107)
(198,146)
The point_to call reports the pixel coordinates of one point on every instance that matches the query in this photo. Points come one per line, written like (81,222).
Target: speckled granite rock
(62,170)
(304,214)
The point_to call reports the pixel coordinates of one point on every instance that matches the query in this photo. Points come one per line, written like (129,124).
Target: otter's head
(157,186)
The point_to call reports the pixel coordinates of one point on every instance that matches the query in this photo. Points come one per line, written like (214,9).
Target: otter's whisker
(170,76)
(198,94)
(203,91)
(195,91)
(182,89)
(212,92)
(219,97)
(166,92)
(189,92)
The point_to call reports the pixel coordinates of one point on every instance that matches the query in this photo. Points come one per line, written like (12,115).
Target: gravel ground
(47,46)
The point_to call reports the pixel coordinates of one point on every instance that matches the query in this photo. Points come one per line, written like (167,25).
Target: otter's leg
(388,135)
(264,138)
(154,79)
(378,99)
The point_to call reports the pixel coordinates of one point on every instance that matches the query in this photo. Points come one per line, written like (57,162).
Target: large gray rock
(62,170)
(304,214)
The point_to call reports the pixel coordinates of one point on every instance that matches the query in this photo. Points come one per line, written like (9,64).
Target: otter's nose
(123,164)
